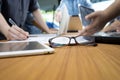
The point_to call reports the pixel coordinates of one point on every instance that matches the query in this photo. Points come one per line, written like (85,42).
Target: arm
(11,33)
(100,18)
(40,23)
(4,27)
(112,11)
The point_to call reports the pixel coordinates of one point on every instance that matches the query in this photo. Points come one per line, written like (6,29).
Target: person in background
(31,26)
(100,18)
(72,6)
(17,10)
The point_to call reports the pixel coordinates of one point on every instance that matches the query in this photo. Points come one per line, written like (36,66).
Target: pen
(12,22)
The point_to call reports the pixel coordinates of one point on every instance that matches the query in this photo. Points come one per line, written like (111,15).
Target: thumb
(90,16)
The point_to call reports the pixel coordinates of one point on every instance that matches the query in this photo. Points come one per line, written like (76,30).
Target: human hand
(98,22)
(53,31)
(115,26)
(16,33)
(118,26)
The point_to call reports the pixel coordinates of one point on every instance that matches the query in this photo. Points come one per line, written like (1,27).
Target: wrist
(48,31)
(106,16)
(5,31)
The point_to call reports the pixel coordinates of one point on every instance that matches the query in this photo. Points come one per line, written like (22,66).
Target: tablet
(23,48)
(109,37)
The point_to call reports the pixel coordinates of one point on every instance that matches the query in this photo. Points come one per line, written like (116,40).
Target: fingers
(90,29)
(118,26)
(90,16)
(87,32)
(20,30)
(118,29)
(115,26)
(16,33)
(53,31)
(96,25)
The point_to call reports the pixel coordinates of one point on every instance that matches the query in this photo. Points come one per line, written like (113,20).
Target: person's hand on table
(16,33)
(53,31)
(115,26)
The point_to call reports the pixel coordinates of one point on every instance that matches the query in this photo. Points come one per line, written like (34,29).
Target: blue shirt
(72,5)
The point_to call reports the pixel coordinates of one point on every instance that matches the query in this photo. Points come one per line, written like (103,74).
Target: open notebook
(100,37)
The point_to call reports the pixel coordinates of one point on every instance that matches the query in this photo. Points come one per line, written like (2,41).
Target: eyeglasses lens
(86,39)
(60,41)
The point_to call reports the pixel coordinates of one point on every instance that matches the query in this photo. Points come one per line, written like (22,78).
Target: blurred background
(48,7)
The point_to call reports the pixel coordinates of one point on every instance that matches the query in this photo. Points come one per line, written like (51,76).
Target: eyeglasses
(68,41)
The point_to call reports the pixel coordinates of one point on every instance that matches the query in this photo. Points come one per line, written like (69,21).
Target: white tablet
(23,48)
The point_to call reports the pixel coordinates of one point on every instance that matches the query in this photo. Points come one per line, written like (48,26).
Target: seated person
(31,24)
(15,30)
(30,27)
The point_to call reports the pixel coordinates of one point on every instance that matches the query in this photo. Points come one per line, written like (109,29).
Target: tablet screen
(20,46)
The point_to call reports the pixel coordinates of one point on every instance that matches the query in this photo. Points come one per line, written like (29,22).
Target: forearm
(4,27)
(112,11)
(39,19)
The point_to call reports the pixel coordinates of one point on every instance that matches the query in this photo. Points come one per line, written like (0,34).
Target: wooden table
(67,63)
